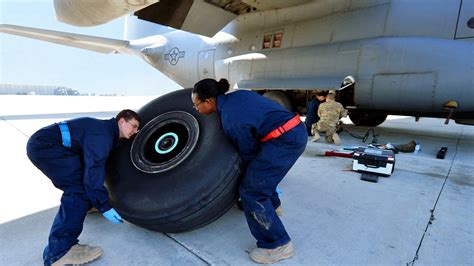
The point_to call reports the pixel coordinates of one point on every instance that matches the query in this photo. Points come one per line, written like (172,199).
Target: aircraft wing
(86,13)
(207,17)
(325,83)
(92,43)
(204,17)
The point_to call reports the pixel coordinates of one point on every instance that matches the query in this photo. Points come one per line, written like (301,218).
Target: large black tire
(367,119)
(190,184)
(280,98)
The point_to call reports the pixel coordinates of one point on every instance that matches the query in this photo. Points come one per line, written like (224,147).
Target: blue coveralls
(78,171)
(246,118)
(311,114)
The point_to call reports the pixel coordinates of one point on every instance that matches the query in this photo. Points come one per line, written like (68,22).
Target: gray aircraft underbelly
(394,73)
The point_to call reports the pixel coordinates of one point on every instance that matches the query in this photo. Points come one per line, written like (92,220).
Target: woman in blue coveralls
(269,139)
(73,154)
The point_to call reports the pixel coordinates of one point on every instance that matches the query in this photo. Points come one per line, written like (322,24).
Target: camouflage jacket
(330,112)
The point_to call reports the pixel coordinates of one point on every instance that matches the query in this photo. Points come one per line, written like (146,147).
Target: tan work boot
(336,139)
(78,255)
(268,256)
(316,137)
(279,211)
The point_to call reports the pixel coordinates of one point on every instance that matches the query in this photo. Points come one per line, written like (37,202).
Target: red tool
(345,154)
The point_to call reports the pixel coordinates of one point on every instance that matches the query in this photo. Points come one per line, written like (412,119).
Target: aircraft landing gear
(367,119)
(179,173)
(280,98)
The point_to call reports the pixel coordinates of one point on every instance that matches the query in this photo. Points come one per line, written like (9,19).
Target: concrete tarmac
(422,214)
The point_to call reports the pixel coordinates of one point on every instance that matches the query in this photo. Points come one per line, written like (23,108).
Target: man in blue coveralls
(312,110)
(269,139)
(73,154)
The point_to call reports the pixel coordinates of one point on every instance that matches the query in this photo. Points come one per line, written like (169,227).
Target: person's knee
(331,131)
(245,194)
(30,149)
(34,150)
(252,203)
(249,195)
(320,128)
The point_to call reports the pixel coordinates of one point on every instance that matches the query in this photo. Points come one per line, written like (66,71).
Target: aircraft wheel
(179,173)
(280,98)
(367,119)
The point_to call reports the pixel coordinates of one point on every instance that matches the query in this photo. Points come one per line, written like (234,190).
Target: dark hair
(322,93)
(210,88)
(128,115)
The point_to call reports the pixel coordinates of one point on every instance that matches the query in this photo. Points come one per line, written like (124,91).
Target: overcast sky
(33,62)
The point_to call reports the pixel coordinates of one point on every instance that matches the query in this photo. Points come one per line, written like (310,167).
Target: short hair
(322,93)
(331,96)
(128,115)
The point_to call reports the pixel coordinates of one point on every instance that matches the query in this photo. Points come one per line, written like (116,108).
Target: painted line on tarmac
(432,217)
(196,253)
(19,130)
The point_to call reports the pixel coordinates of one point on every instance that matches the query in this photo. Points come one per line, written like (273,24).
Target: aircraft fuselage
(404,60)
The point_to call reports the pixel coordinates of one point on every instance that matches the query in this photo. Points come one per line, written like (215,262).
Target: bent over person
(269,139)
(72,154)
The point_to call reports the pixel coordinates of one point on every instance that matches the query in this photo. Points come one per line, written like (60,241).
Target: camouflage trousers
(328,129)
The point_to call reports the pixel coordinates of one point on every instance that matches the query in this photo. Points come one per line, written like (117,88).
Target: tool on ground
(337,153)
(350,148)
(408,147)
(442,153)
(417,147)
(388,146)
(375,161)
(366,136)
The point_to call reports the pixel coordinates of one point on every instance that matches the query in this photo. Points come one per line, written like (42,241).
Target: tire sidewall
(167,197)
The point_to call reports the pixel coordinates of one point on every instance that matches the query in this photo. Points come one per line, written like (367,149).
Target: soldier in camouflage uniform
(329,112)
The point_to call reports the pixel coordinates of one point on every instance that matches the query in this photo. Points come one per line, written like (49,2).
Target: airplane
(403,57)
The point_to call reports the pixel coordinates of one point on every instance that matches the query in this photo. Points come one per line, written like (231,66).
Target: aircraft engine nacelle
(85,13)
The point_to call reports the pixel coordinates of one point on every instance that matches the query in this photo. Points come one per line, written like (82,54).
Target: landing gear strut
(367,119)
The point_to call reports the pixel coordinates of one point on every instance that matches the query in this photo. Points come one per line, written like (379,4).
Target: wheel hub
(164,142)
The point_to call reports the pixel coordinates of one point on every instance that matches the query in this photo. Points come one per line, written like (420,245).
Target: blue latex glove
(113,216)
(278,190)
